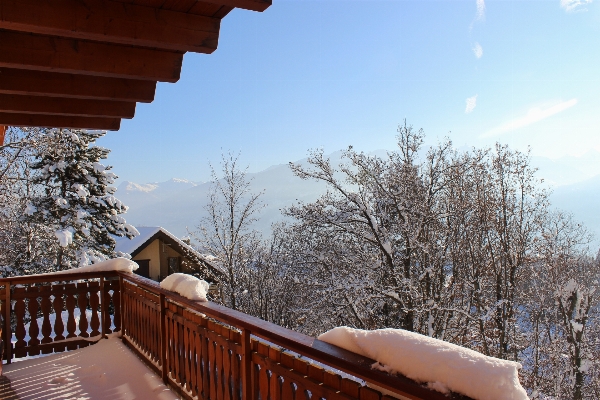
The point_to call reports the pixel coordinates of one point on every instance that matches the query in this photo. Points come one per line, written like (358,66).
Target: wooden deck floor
(106,370)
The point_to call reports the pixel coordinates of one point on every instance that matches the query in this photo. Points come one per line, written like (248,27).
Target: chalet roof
(85,63)
(149,234)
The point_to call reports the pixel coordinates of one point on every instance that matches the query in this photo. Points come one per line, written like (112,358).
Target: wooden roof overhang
(85,63)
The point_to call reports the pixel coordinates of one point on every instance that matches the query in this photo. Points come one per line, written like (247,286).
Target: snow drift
(186,285)
(115,264)
(443,366)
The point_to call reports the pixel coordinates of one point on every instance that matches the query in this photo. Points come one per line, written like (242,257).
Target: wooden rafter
(62,106)
(49,53)
(52,121)
(114,22)
(39,83)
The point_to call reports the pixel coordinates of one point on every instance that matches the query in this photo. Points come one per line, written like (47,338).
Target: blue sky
(328,74)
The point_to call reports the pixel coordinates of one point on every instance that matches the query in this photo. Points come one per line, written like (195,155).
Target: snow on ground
(186,285)
(443,366)
(106,370)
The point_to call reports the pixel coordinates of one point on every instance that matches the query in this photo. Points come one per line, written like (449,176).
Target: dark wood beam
(61,106)
(48,53)
(112,21)
(59,121)
(254,5)
(38,83)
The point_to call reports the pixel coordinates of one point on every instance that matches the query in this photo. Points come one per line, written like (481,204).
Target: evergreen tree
(77,203)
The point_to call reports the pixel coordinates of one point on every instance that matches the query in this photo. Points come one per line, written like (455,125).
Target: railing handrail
(317,350)
(56,277)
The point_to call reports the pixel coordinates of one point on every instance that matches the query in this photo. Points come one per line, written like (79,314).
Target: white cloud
(481,9)
(533,115)
(574,5)
(471,103)
(478,50)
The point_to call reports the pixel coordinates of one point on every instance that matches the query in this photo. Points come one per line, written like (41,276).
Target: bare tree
(226,233)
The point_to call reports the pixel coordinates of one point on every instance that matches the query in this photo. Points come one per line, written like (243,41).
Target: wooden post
(7,331)
(121,296)
(246,365)
(2,134)
(103,309)
(163,339)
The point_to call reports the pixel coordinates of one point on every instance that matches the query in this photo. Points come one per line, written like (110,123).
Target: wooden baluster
(287,389)
(263,374)
(70,305)
(20,317)
(7,331)
(366,393)
(186,356)
(226,373)
(246,369)
(118,304)
(82,302)
(71,324)
(275,389)
(46,306)
(58,303)
(163,339)
(205,362)
(34,329)
(108,298)
(103,309)
(94,302)
(219,370)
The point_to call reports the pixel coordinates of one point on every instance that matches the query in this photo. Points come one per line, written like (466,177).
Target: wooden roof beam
(253,5)
(39,83)
(62,106)
(112,21)
(48,53)
(53,121)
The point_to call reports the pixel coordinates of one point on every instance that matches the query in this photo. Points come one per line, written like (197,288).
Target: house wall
(158,253)
(152,253)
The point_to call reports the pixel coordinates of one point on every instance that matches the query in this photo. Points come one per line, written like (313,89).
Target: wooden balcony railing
(201,349)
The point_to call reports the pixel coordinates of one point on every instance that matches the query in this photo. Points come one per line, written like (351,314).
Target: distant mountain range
(178,204)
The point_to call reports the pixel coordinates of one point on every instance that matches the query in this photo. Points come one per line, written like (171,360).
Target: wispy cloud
(481,10)
(471,103)
(533,115)
(478,50)
(574,5)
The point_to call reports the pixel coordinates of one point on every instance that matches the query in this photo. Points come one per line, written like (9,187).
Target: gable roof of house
(150,233)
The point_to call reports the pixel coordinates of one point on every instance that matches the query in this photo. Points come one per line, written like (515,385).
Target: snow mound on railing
(115,264)
(443,366)
(186,285)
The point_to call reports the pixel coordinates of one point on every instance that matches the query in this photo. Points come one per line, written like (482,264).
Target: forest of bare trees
(463,246)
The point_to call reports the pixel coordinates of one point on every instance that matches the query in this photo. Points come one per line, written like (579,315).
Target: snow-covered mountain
(178,204)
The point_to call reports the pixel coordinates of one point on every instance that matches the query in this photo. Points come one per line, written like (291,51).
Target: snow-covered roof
(133,246)
(126,245)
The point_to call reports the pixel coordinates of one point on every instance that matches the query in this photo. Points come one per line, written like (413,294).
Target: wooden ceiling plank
(114,22)
(253,5)
(61,106)
(39,83)
(48,53)
(59,121)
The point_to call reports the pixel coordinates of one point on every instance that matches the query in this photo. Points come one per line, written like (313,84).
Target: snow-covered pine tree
(77,202)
